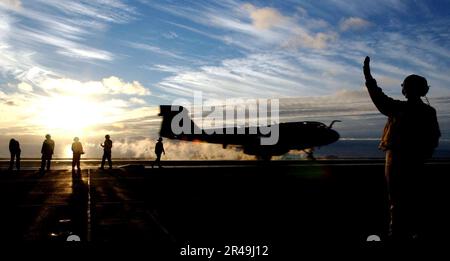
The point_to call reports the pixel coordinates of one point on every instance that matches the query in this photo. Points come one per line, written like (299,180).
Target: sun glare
(68,115)
(68,151)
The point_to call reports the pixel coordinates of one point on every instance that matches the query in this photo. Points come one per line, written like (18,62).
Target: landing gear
(309,154)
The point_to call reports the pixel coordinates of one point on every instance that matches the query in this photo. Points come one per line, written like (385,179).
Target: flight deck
(207,201)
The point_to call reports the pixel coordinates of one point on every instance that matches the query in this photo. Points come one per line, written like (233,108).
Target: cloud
(155,49)
(14,4)
(65,46)
(118,86)
(111,85)
(4,100)
(135,100)
(366,8)
(264,18)
(354,23)
(114,11)
(315,41)
(254,28)
(5,28)
(166,68)
(200,32)
(170,35)
(93,54)
(345,105)
(262,75)
(20,64)
(23,86)
(60,28)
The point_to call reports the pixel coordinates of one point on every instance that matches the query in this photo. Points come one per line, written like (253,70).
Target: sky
(95,67)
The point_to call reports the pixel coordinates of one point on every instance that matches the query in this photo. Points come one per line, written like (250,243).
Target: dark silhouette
(48,147)
(77,149)
(303,135)
(159,149)
(409,138)
(107,145)
(14,149)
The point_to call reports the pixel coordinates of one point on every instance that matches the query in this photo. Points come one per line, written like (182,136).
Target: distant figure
(107,145)
(47,150)
(159,149)
(409,138)
(77,150)
(14,149)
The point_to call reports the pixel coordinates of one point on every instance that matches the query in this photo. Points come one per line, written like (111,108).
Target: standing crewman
(159,149)
(77,149)
(48,147)
(409,138)
(14,149)
(107,146)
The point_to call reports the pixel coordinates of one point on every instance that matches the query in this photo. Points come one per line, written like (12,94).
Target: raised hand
(366,69)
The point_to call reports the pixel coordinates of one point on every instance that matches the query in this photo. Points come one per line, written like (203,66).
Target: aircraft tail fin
(169,112)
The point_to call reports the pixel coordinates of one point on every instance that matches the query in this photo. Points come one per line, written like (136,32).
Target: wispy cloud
(354,23)
(66,26)
(155,49)
(115,11)
(263,75)
(170,35)
(221,38)
(65,46)
(14,4)
(166,68)
(260,26)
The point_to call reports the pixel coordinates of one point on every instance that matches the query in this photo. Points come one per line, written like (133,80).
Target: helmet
(416,85)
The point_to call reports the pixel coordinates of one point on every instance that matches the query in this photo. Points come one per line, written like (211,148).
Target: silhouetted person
(14,149)
(107,146)
(159,149)
(77,149)
(48,147)
(409,138)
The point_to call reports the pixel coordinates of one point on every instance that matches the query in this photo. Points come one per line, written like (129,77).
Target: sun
(68,151)
(68,115)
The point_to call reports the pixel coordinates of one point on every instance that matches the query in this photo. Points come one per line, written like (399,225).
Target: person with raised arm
(409,138)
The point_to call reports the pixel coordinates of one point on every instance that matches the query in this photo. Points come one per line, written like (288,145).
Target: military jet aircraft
(303,135)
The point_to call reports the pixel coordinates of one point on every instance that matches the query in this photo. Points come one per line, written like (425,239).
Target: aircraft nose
(336,136)
(333,136)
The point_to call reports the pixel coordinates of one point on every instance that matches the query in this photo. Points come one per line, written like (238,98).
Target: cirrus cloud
(353,23)
(14,4)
